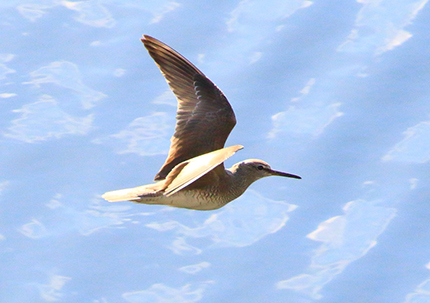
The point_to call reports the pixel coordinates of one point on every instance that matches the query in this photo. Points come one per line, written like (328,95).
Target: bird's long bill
(282,174)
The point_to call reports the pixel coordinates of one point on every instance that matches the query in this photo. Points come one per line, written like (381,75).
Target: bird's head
(257,169)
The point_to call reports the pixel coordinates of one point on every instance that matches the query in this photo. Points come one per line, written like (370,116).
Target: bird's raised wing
(204,116)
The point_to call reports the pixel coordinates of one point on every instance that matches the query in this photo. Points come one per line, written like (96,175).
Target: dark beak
(281,174)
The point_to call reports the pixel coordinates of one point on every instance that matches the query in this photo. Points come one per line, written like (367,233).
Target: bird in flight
(194,175)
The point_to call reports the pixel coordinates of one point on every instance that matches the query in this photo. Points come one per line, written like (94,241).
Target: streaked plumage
(193,175)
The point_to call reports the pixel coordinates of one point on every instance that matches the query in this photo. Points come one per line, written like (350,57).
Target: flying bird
(194,175)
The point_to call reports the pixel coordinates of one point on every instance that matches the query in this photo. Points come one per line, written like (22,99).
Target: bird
(193,175)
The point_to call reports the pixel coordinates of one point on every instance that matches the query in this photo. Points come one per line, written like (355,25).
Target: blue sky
(334,91)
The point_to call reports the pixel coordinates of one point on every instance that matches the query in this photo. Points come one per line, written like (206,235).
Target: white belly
(185,199)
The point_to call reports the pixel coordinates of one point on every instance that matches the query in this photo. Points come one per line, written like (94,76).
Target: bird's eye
(260,167)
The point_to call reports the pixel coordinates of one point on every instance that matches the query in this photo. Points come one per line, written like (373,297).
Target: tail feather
(128,194)
(134,194)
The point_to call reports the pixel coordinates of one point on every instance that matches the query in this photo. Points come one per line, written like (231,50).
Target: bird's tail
(128,194)
(135,194)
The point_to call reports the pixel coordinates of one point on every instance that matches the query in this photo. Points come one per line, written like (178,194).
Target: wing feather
(204,116)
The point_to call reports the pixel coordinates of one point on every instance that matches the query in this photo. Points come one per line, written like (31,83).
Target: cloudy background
(335,91)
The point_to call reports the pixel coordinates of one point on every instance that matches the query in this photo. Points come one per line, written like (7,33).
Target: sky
(334,91)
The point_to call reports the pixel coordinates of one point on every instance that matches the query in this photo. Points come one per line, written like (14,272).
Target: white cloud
(145,136)
(421,294)
(4,70)
(345,239)
(397,40)
(309,116)
(6,57)
(255,57)
(66,74)
(179,245)
(415,147)
(32,12)
(305,90)
(91,13)
(119,72)
(166,98)
(245,221)
(200,58)
(167,8)
(44,119)
(52,291)
(96,43)
(33,230)
(7,95)
(99,216)
(249,12)
(379,26)
(55,202)
(195,268)
(413,183)
(307,120)
(160,293)
(64,217)
(252,22)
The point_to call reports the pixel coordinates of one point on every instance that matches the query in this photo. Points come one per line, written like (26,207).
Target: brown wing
(204,116)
